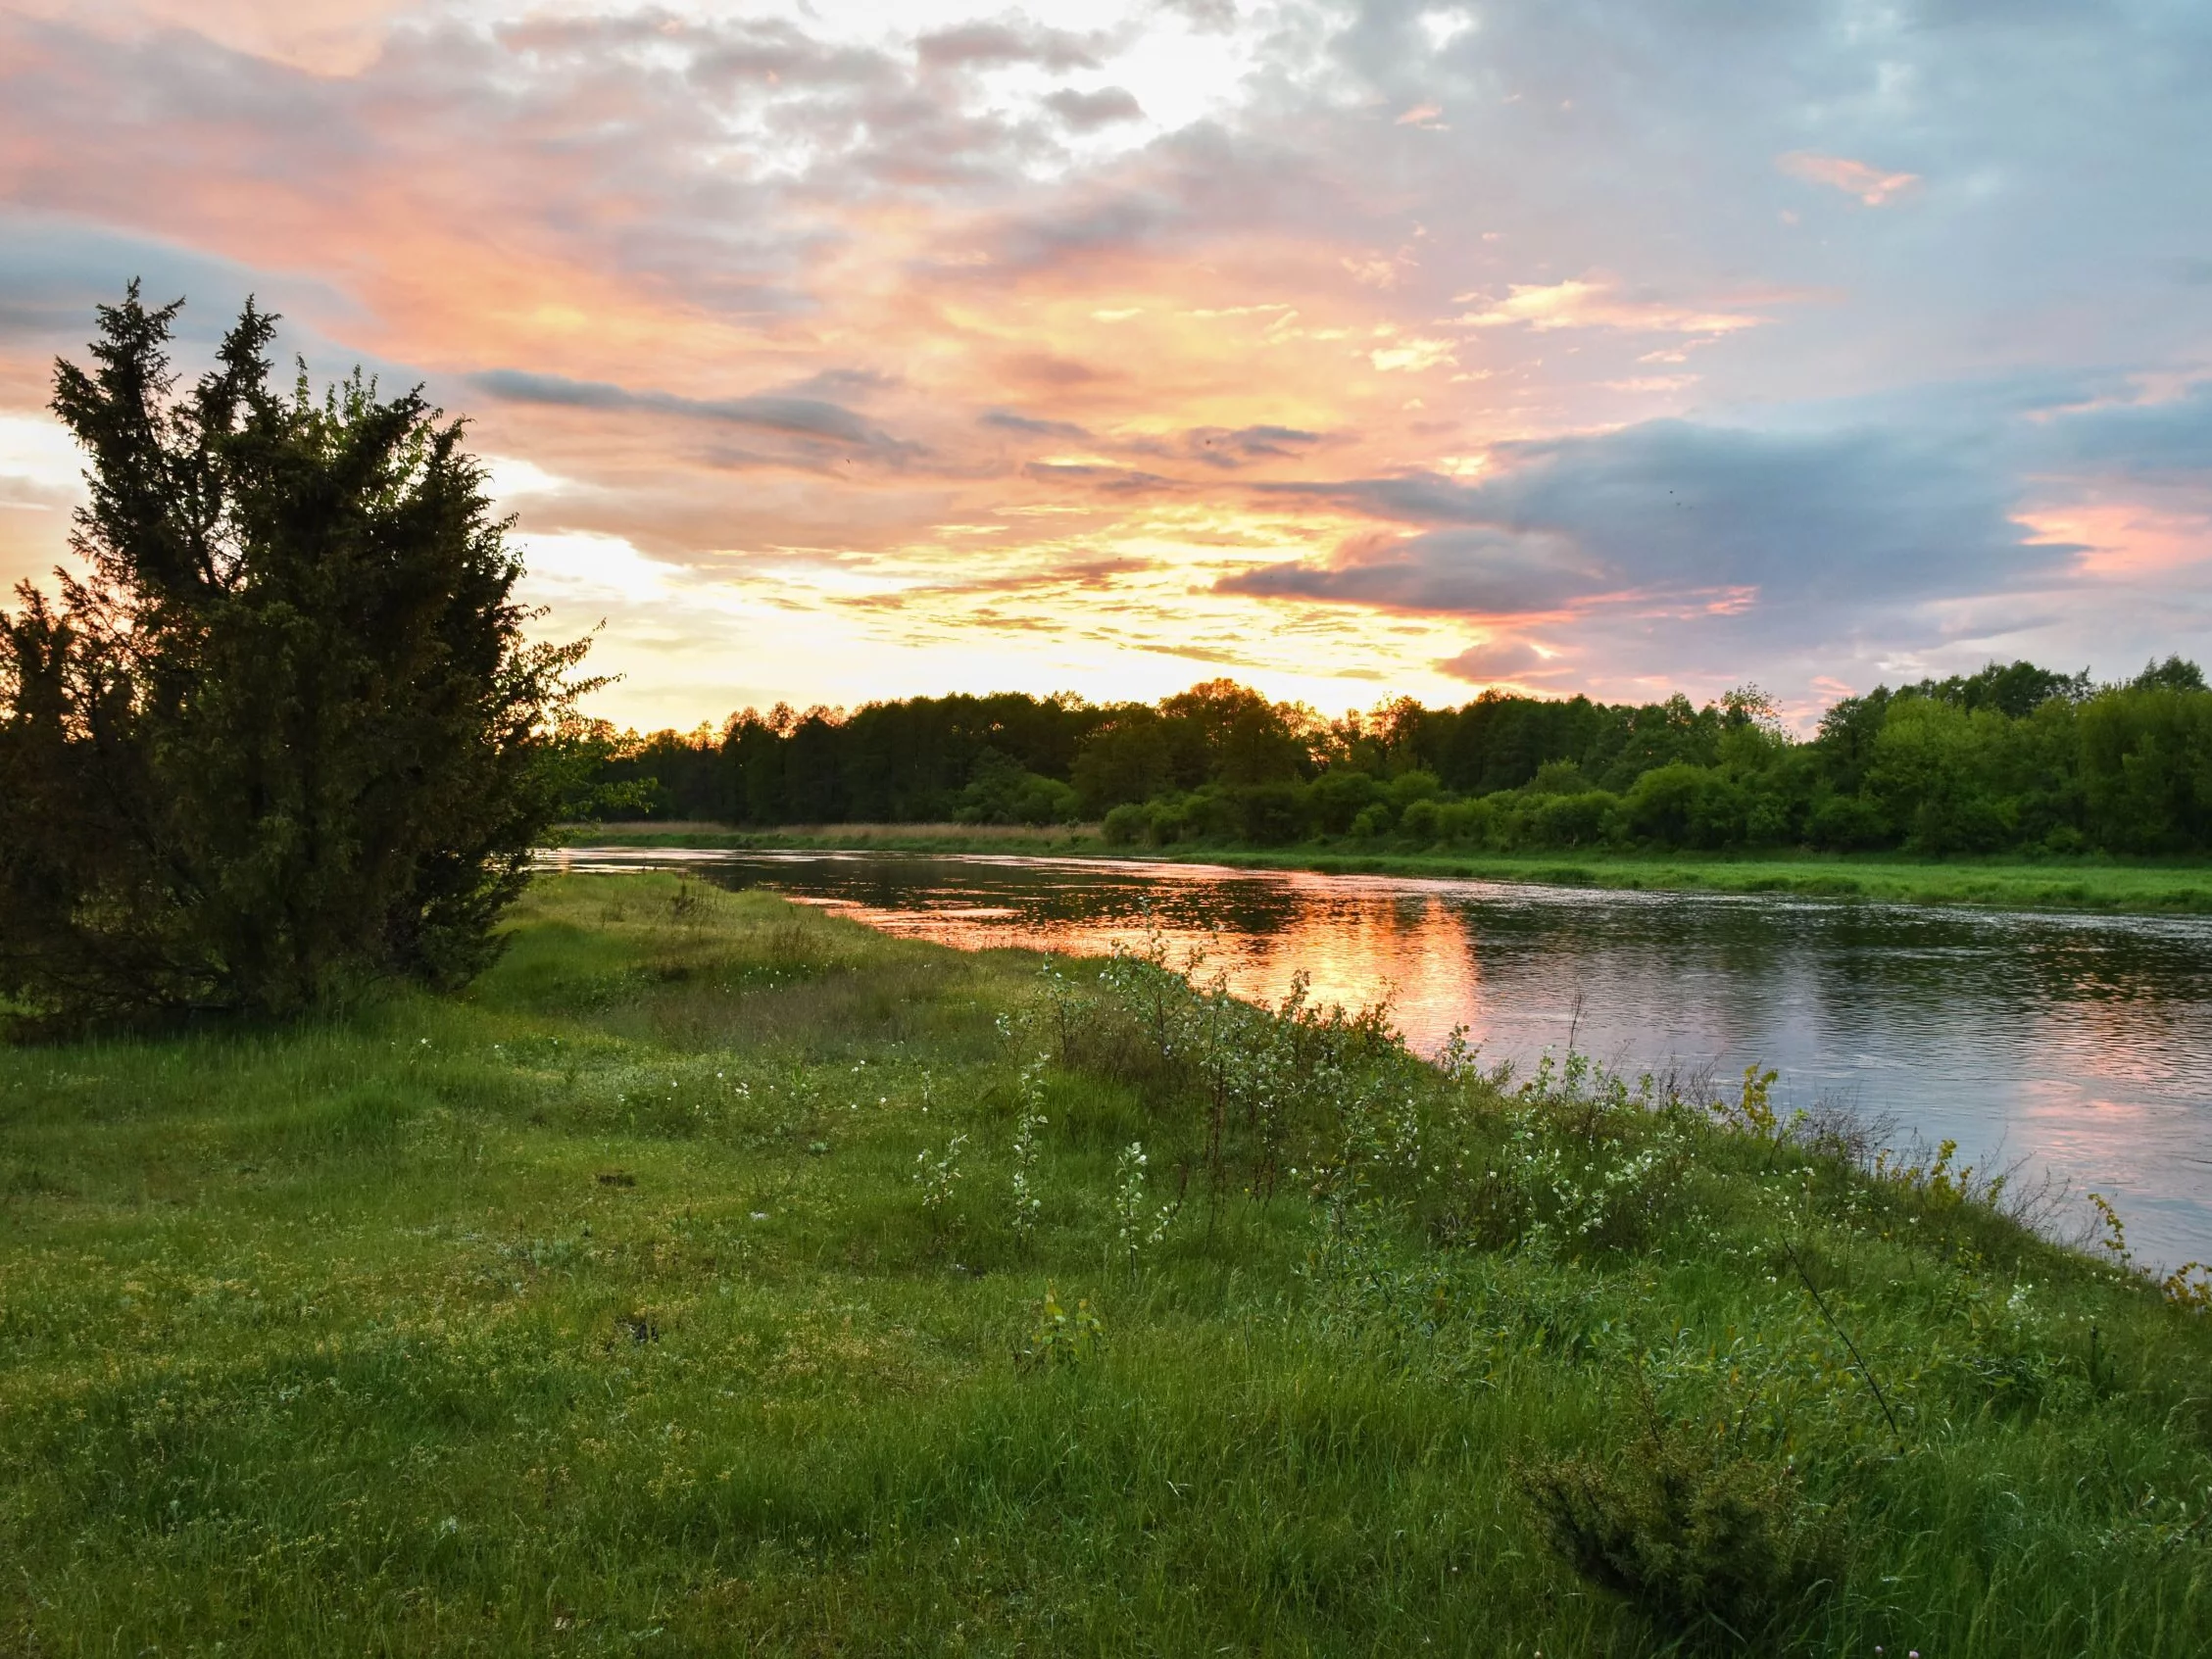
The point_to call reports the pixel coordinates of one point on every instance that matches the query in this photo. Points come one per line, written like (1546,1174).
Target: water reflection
(2081,1043)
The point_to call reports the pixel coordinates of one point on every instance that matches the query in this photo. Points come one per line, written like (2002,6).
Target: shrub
(1574,820)
(1846,823)
(285,737)
(1680,804)
(1423,822)
(1339,796)
(1705,1543)
(1125,825)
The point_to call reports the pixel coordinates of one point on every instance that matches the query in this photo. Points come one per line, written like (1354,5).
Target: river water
(2077,1046)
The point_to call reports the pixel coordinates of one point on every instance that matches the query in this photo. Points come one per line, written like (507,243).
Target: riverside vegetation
(718,1275)
(2146,887)
(2014,760)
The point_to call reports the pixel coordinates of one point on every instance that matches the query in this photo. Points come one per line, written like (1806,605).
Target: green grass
(597,1311)
(2149,886)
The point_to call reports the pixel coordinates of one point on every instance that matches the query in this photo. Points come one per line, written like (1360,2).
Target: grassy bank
(2147,886)
(718,1276)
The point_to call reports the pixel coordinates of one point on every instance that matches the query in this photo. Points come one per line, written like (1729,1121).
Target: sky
(827,351)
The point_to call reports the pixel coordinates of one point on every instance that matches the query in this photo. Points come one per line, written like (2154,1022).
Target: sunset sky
(830,352)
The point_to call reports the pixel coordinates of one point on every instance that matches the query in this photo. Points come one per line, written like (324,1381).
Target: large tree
(281,738)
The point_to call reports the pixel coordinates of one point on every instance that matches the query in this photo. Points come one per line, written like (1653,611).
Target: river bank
(719,1273)
(2145,887)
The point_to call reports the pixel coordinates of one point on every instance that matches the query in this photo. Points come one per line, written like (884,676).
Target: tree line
(2015,758)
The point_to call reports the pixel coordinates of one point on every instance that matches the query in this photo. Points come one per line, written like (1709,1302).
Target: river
(2077,1046)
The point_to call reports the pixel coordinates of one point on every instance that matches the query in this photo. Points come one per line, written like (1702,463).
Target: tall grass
(601,1311)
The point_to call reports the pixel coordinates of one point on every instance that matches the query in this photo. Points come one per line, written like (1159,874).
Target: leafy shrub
(1586,1163)
(1059,1338)
(1582,820)
(1125,825)
(1707,1544)
(1846,823)
(285,737)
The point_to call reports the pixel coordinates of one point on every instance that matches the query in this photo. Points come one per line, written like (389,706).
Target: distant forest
(2013,758)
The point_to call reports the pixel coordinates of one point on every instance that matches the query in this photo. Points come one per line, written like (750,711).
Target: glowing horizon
(838,352)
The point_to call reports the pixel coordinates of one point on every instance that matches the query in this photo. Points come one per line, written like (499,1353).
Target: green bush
(285,738)
(1126,825)
(1706,1543)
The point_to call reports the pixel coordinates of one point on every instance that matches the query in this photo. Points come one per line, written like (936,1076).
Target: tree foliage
(2014,758)
(281,738)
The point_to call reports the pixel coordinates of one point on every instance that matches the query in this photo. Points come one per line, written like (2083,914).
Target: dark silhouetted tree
(285,737)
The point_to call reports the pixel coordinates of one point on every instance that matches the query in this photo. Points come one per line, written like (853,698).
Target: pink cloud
(1870,185)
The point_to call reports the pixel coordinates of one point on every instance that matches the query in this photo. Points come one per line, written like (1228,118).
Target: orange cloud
(1871,185)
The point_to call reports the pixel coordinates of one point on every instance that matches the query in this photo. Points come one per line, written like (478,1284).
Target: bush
(1268,814)
(1704,1542)
(1126,825)
(1409,787)
(1467,822)
(1371,823)
(1574,820)
(1339,796)
(1846,823)
(285,737)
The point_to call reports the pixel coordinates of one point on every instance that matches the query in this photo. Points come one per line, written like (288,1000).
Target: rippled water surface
(2080,1044)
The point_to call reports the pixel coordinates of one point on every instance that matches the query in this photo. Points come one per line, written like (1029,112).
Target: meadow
(717,1276)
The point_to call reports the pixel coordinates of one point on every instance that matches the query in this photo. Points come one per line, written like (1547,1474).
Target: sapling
(1133,1234)
(1027,1204)
(939,1178)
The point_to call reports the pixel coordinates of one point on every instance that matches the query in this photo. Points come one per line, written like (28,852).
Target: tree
(285,737)
(1126,760)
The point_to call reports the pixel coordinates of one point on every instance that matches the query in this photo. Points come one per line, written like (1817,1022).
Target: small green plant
(1133,1232)
(1938,1180)
(2188,1285)
(687,904)
(1027,1205)
(1752,1112)
(1710,1544)
(2114,1242)
(2184,1291)
(1059,1338)
(939,1179)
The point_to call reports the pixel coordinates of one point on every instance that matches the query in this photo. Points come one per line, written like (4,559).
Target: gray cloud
(1504,660)
(1106,480)
(1007,421)
(1479,573)
(834,384)
(1086,112)
(1221,448)
(2168,439)
(811,419)
(989,44)
(1780,533)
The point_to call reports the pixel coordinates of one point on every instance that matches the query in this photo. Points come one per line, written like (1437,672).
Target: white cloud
(38,450)
(582,563)
(1575,303)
